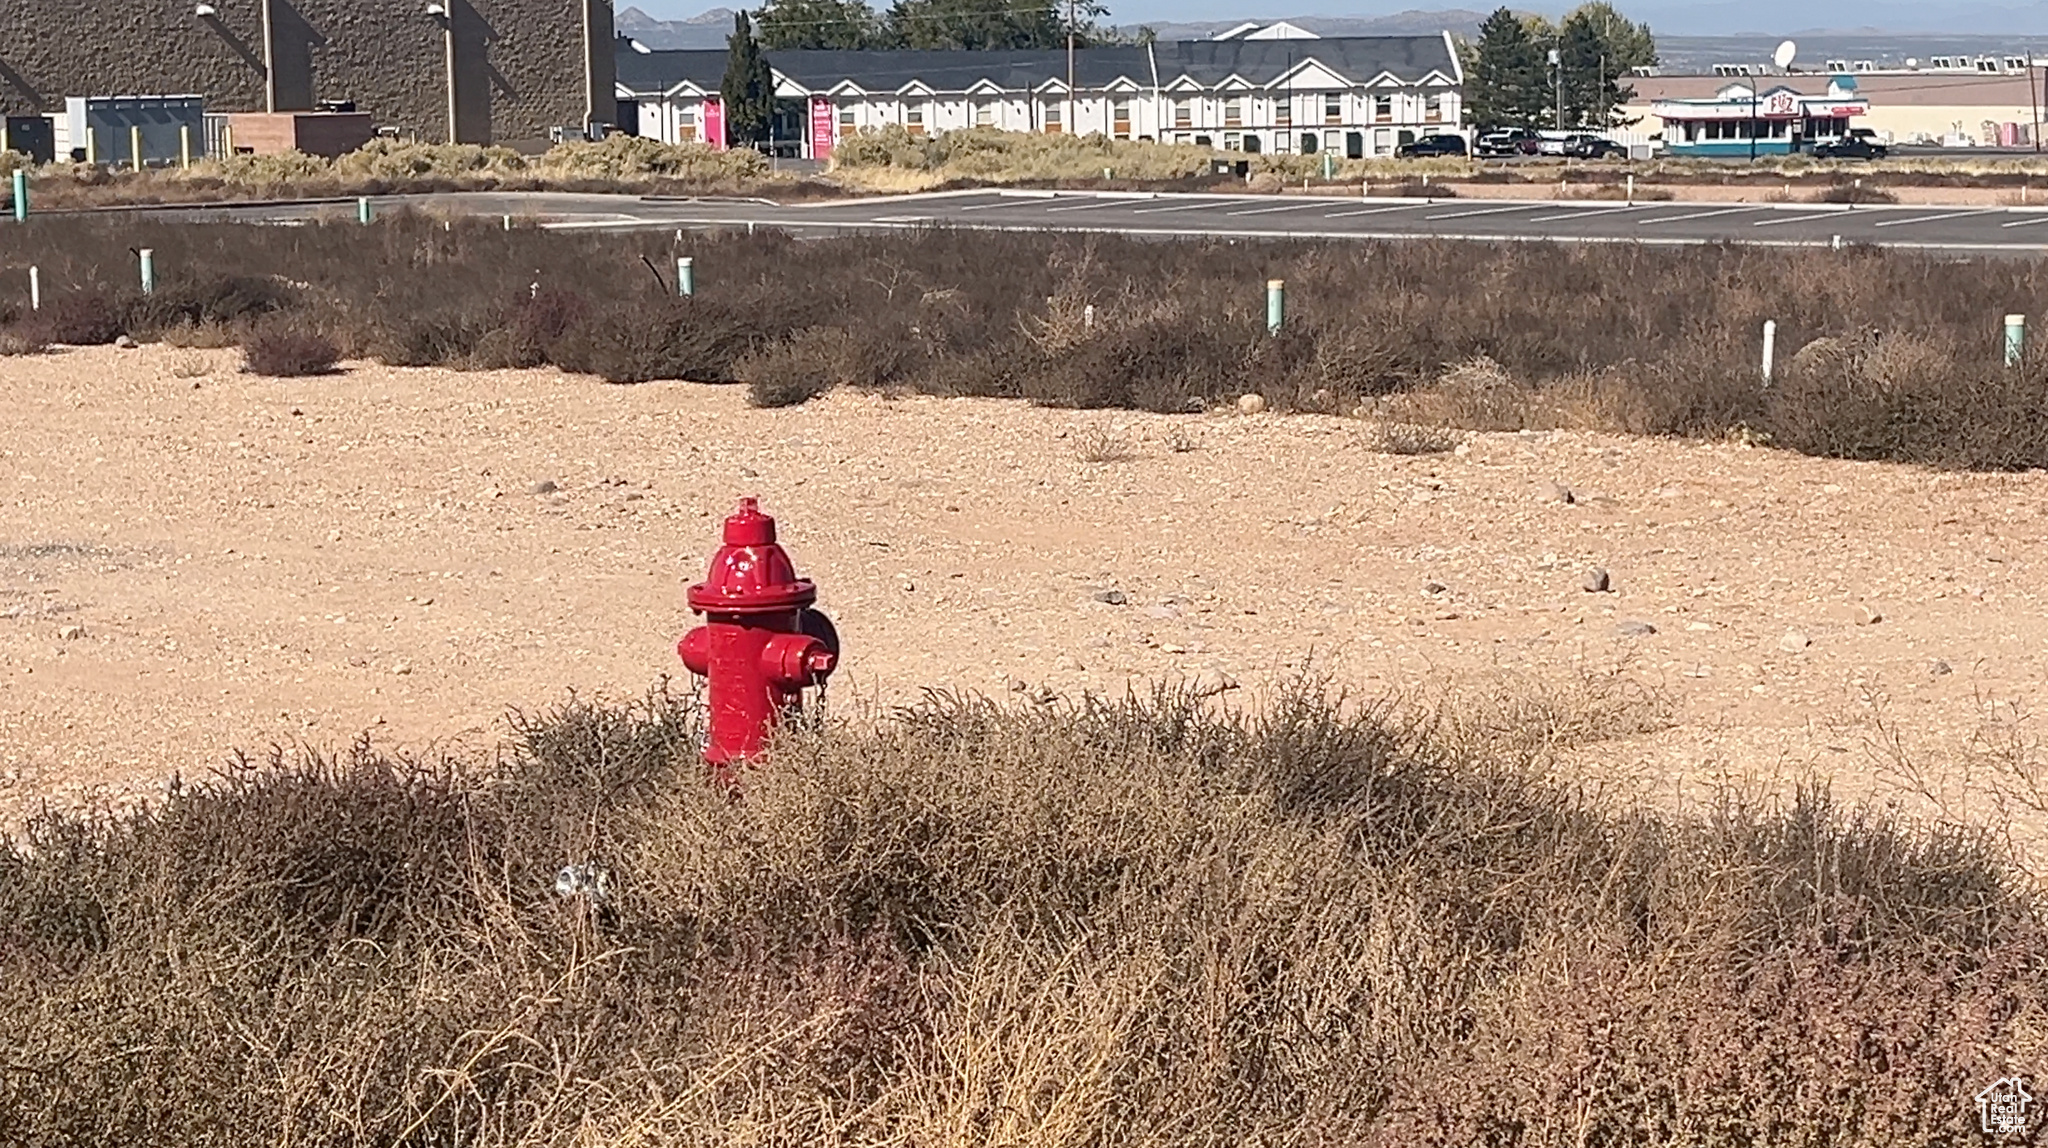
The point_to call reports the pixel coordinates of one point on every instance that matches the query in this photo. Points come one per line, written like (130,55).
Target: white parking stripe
(1376,210)
(1932,218)
(1177,207)
(1086,206)
(1795,219)
(1483,211)
(1583,213)
(1271,210)
(997,203)
(1696,215)
(2026,222)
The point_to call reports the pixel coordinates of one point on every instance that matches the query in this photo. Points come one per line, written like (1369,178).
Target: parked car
(1584,146)
(1552,143)
(1432,146)
(1506,142)
(1851,146)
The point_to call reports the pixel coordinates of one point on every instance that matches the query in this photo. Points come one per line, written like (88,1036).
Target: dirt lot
(193,560)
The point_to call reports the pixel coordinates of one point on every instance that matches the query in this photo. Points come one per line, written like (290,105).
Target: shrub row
(1884,355)
(1130,923)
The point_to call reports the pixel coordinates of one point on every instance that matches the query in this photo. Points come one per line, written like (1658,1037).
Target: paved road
(2011,230)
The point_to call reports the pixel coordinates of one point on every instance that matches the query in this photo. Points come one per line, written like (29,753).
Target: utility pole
(1557,82)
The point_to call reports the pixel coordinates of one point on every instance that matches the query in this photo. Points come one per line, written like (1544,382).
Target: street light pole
(1073,105)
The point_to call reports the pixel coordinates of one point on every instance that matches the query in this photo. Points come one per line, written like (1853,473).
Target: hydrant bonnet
(751,574)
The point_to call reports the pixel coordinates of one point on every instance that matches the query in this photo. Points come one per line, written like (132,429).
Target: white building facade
(1354,96)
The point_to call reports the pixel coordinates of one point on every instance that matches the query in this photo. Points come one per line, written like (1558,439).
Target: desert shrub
(1107,923)
(1854,193)
(429,339)
(626,157)
(673,339)
(811,362)
(288,352)
(226,300)
(538,320)
(17,341)
(78,319)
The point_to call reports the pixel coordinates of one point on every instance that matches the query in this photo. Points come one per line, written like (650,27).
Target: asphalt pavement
(1978,230)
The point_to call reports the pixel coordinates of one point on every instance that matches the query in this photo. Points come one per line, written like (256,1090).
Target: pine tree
(1505,85)
(1597,47)
(819,24)
(748,91)
(981,25)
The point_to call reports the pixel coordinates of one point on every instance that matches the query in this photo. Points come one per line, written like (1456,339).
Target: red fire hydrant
(761,644)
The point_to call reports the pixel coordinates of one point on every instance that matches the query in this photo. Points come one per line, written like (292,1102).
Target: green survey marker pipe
(364,211)
(2015,339)
(686,276)
(148,259)
(1276,305)
(20,196)
(1329,165)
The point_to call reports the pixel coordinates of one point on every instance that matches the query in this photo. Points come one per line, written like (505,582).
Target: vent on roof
(1866,65)
(1837,65)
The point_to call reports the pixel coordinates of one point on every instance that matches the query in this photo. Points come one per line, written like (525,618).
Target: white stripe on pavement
(987,206)
(1932,218)
(1583,213)
(1177,207)
(1794,219)
(1086,206)
(2026,222)
(1696,215)
(1271,210)
(1483,211)
(1377,210)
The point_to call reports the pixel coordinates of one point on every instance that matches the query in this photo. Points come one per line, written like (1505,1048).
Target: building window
(686,126)
(845,117)
(913,118)
(1229,141)
(1233,113)
(1183,114)
(1120,119)
(985,114)
(1433,108)
(1283,112)
(1333,108)
(1050,117)
(1382,109)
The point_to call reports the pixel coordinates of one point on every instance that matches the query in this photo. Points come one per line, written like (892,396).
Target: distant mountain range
(1890,28)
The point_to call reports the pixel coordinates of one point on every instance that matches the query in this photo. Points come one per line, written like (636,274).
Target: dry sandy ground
(194,560)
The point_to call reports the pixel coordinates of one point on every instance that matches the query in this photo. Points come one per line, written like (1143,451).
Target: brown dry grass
(1132,923)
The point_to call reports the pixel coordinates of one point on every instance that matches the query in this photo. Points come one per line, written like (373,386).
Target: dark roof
(660,70)
(1207,62)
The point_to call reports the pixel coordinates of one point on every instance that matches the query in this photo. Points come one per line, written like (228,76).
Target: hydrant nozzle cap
(747,526)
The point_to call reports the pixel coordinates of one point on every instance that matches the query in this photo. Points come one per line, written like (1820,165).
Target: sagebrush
(1115,923)
(1442,333)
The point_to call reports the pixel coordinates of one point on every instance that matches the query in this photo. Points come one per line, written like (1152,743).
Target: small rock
(1112,597)
(1068,662)
(1634,629)
(1211,682)
(1161,612)
(71,633)
(1557,492)
(1251,404)
(1939,669)
(1595,580)
(1794,641)
(124,342)
(1868,616)
(544,486)
(1699,627)
(1434,587)
(401,668)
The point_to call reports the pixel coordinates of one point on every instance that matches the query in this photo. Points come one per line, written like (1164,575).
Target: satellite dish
(1783,56)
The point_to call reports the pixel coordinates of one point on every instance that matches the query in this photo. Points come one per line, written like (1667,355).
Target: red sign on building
(821,128)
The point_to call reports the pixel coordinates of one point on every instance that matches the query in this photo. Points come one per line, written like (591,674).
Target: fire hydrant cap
(750,574)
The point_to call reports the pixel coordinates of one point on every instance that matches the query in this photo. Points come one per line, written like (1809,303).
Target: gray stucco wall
(520,68)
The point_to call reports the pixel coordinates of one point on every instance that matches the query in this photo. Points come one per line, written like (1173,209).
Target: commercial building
(1355,96)
(1954,107)
(473,71)
(1753,118)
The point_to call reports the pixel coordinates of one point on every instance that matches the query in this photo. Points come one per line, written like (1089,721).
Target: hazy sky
(1681,17)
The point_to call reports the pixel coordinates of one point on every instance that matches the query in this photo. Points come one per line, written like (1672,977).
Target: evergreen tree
(819,24)
(1628,45)
(1506,81)
(748,91)
(1597,47)
(983,25)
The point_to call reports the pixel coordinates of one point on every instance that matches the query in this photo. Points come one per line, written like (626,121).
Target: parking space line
(1583,213)
(1177,207)
(1271,210)
(1695,215)
(998,203)
(2043,218)
(1086,206)
(1808,218)
(1376,210)
(1944,215)
(1484,211)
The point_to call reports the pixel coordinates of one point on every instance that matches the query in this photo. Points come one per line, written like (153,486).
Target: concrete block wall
(520,67)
